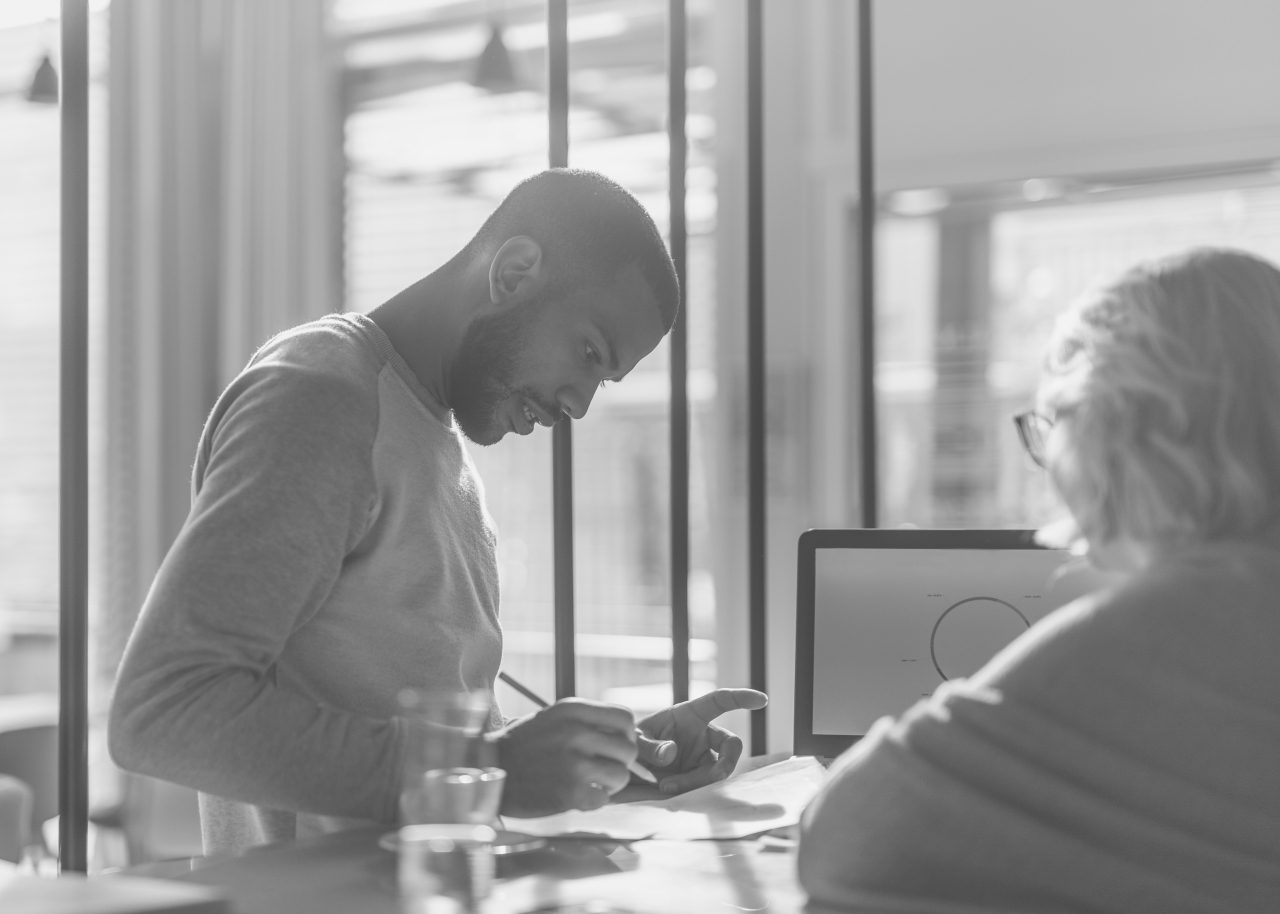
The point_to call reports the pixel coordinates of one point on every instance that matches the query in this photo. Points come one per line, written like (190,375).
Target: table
(347,872)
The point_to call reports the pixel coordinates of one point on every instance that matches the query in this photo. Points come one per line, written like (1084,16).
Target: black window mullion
(866,271)
(562,435)
(677,65)
(73,680)
(757,555)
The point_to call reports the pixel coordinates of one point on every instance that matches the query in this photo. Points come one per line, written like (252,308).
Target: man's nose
(575,399)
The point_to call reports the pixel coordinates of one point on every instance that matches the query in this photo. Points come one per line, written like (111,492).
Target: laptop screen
(885,616)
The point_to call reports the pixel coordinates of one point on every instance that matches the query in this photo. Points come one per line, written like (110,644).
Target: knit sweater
(337,551)
(1122,756)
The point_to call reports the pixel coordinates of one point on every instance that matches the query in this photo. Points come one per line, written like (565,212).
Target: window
(1009,178)
(30,319)
(430,153)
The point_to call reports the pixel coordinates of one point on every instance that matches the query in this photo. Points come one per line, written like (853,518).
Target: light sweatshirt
(1122,757)
(337,551)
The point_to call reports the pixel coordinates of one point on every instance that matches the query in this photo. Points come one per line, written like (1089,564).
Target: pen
(634,767)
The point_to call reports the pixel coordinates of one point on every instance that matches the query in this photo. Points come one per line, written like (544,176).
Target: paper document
(664,877)
(744,804)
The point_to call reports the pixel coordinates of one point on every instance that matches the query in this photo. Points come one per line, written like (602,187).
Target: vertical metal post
(867,270)
(677,65)
(73,756)
(562,434)
(757,549)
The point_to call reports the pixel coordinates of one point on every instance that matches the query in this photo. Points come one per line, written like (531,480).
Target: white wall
(979,90)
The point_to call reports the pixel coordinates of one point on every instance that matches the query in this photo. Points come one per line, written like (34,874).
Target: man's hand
(706,752)
(572,755)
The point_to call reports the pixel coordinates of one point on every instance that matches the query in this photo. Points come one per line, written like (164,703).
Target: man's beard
(480,379)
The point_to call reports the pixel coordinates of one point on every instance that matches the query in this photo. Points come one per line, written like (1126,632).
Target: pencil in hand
(637,770)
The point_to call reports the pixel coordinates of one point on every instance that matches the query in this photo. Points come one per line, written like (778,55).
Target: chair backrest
(29,750)
(15,818)
(161,820)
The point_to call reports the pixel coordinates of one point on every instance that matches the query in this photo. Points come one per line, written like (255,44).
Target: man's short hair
(589,228)
(1171,375)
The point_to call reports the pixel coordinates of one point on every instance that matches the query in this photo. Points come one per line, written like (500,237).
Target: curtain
(224,226)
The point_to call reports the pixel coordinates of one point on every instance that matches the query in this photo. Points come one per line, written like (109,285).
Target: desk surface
(347,872)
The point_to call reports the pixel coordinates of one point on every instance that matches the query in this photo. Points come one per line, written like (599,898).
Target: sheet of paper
(666,877)
(744,804)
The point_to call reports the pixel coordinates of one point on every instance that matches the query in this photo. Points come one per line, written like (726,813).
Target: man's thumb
(657,752)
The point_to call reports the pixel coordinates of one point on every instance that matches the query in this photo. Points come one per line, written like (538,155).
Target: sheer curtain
(224,226)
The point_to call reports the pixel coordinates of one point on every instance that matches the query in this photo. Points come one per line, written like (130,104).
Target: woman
(1124,755)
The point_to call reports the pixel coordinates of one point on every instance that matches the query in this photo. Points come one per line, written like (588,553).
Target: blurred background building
(257,163)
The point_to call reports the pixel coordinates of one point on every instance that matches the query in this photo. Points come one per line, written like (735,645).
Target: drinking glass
(446,780)
(444,869)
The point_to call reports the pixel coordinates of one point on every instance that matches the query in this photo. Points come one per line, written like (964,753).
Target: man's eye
(593,357)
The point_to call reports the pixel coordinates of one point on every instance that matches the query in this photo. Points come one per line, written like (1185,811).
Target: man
(338,547)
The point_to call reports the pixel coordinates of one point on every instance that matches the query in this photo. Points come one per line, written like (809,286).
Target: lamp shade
(494,68)
(43,89)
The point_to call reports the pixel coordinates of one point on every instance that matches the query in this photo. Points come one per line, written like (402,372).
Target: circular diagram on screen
(970,632)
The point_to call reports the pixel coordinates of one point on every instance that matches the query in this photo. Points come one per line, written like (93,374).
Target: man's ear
(515,270)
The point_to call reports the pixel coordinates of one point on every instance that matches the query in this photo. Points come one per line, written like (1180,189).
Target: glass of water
(444,869)
(446,779)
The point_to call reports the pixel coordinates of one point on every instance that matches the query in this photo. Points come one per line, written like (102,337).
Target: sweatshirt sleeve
(283,490)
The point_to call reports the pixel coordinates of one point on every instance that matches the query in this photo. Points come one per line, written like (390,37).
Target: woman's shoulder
(1207,608)
(1204,586)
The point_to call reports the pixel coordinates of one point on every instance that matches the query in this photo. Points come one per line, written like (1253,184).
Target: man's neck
(423,323)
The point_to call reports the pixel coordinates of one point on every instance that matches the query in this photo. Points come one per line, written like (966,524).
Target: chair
(15,818)
(29,751)
(150,820)
(154,820)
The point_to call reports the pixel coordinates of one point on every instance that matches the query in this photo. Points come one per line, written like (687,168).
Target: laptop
(885,616)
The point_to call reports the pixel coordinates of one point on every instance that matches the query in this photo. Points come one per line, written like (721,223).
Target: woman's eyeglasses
(1033,429)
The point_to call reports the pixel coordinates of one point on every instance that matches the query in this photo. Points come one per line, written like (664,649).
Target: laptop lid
(884,616)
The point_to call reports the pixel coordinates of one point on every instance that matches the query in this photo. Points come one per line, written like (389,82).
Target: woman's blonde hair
(1171,377)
